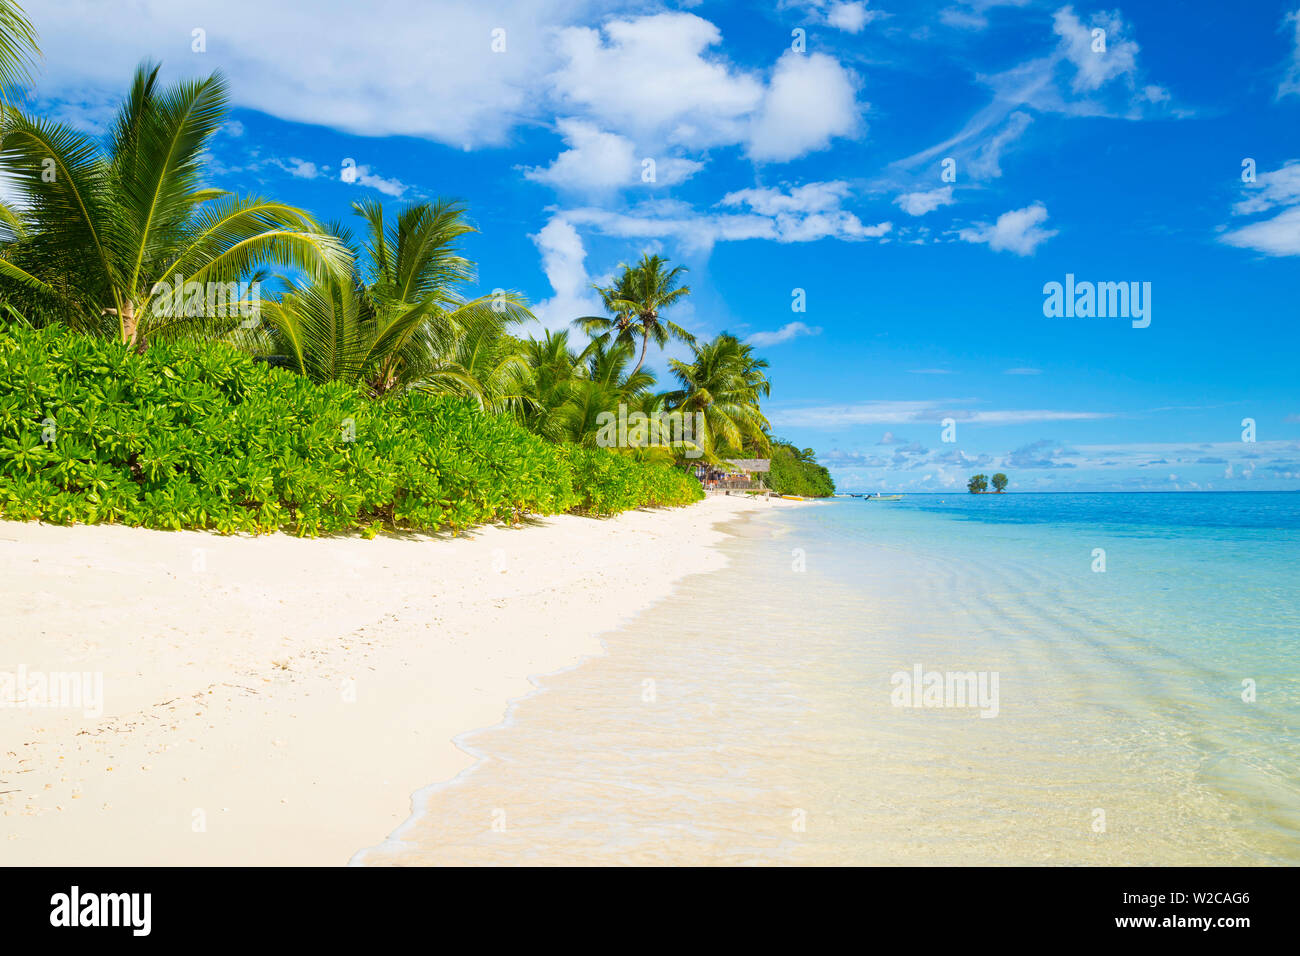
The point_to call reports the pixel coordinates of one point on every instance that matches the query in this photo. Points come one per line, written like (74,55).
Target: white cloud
(1095,67)
(972,14)
(1291,78)
(1281,187)
(1015,231)
(1279,236)
(808,198)
(851,17)
(808,212)
(987,161)
(461,72)
(657,79)
(596,160)
(912,412)
(298,168)
(564,262)
(784,334)
(656,75)
(1099,84)
(811,100)
(365,176)
(920,203)
(318,62)
(800,214)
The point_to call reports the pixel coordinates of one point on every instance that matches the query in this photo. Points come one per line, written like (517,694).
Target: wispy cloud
(790,330)
(920,203)
(912,412)
(1290,84)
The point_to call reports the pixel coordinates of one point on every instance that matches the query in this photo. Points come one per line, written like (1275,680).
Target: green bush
(607,482)
(201,436)
(795,473)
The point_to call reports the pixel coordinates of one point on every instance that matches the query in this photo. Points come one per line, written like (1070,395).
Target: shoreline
(282,701)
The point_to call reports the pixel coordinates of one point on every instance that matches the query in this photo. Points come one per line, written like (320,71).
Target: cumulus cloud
(365,176)
(298,168)
(441,77)
(808,212)
(851,17)
(597,160)
(564,262)
(1018,231)
(798,214)
(659,78)
(785,333)
(657,75)
(920,203)
(811,100)
(458,72)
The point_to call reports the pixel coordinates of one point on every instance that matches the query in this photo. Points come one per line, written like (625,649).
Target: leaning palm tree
(724,380)
(398,320)
(635,302)
(107,231)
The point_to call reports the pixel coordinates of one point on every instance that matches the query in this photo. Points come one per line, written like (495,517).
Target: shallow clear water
(751,716)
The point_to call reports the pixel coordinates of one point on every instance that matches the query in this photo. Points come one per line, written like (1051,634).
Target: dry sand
(277,701)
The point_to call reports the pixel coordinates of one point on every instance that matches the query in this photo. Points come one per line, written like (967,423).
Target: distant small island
(979,484)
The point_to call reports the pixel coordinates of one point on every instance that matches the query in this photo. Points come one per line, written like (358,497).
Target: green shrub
(606,482)
(201,436)
(795,473)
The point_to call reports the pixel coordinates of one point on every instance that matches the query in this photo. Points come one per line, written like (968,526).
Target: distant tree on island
(999,482)
(978,484)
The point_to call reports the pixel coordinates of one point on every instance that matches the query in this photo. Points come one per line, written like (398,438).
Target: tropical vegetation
(338,377)
(202,436)
(795,472)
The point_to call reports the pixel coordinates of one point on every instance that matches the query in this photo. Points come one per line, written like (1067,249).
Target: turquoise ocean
(1144,650)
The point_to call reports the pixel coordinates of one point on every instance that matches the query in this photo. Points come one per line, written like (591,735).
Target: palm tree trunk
(129,322)
(645,341)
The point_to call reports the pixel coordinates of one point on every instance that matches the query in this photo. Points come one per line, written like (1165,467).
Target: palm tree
(725,381)
(553,369)
(398,319)
(18,48)
(635,302)
(104,231)
(602,387)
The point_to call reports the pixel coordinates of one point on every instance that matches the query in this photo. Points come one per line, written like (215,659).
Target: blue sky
(821,169)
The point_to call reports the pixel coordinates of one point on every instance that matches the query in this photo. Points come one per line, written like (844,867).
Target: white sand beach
(277,701)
